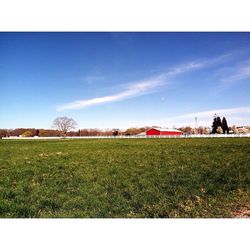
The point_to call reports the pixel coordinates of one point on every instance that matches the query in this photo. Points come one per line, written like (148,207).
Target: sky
(121,80)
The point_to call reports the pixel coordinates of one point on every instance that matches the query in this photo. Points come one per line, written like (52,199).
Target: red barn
(163,131)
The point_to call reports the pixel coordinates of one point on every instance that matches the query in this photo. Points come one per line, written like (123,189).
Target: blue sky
(120,80)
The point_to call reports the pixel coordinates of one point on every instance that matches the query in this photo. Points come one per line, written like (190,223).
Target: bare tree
(64,124)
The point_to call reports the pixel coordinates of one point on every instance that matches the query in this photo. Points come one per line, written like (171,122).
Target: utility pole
(196,125)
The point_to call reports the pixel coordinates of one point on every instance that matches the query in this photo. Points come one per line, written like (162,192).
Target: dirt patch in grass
(243,212)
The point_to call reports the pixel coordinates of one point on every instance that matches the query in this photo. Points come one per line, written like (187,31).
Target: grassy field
(124,178)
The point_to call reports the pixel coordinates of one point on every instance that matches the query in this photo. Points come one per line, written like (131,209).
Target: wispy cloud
(132,90)
(197,64)
(234,116)
(238,116)
(232,75)
(90,79)
(238,73)
(144,86)
(210,113)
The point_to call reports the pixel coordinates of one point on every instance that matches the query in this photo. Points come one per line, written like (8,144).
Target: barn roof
(166,129)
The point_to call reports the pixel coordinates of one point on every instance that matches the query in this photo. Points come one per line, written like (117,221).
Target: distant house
(242,130)
(163,131)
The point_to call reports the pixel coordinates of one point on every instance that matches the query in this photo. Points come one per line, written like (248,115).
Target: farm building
(163,131)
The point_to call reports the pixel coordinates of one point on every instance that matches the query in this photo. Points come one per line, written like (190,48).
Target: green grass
(124,178)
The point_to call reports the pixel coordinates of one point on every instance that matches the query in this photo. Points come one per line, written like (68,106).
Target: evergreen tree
(218,121)
(224,126)
(214,126)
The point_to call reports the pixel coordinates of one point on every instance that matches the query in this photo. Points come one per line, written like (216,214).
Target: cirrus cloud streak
(144,86)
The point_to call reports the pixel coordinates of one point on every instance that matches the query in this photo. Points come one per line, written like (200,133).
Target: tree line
(64,126)
(31,132)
